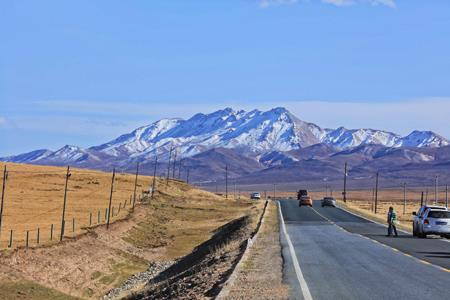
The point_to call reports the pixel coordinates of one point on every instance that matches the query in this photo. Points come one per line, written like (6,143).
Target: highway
(331,254)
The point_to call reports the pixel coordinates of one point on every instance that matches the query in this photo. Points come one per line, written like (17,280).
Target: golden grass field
(179,218)
(34,199)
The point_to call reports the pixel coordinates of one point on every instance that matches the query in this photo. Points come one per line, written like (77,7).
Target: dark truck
(301,193)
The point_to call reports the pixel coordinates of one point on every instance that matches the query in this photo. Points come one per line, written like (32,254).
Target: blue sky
(84,72)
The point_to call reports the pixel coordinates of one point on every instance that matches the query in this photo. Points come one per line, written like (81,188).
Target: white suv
(434,221)
(418,217)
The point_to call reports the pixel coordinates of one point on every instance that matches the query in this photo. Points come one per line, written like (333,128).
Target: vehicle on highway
(434,221)
(301,193)
(418,217)
(328,201)
(305,201)
(255,196)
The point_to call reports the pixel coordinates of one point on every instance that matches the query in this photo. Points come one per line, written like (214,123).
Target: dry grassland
(178,219)
(34,199)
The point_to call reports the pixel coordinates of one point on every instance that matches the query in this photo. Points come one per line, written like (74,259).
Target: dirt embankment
(169,227)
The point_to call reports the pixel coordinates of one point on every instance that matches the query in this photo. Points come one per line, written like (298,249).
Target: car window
(439,214)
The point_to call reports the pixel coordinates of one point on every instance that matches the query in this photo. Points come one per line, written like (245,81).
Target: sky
(84,72)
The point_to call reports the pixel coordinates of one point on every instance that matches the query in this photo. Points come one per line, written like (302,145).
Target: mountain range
(259,147)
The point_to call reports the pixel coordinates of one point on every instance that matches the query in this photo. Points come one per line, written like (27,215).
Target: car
(305,201)
(418,217)
(329,201)
(301,193)
(434,221)
(255,196)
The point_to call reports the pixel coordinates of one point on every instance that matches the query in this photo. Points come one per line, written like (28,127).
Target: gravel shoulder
(259,276)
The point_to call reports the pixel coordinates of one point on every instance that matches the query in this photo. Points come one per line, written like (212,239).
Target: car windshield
(439,214)
(328,198)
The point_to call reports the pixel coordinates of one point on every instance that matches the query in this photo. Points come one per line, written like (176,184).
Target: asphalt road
(342,256)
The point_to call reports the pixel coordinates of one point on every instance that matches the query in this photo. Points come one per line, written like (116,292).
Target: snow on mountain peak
(255,131)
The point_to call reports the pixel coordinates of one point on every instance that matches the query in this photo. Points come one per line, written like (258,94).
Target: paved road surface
(341,256)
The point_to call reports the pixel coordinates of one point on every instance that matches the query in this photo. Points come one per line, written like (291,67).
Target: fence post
(73,224)
(51,232)
(131,198)
(106,213)
(98,217)
(110,197)
(10,238)
(27,239)
(120,206)
(113,211)
(38,236)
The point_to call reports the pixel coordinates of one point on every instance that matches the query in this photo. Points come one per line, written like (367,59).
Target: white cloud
(390,3)
(269,3)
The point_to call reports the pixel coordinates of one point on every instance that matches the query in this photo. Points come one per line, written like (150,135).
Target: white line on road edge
(298,271)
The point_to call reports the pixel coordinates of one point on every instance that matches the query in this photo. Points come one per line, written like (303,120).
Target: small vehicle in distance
(255,196)
(301,193)
(305,201)
(328,201)
(435,221)
(418,217)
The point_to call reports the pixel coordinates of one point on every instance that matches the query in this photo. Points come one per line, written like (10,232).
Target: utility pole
(436,190)
(216,187)
(187,176)
(344,194)
(376,193)
(174,164)
(168,164)
(373,200)
(110,198)
(426,196)
(446,195)
(404,198)
(274,190)
(421,200)
(154,175)
(179,169)
(63,222)
(135,184)
(226,181)
(5,177)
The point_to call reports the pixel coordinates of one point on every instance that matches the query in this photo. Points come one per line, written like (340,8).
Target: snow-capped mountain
(265,136)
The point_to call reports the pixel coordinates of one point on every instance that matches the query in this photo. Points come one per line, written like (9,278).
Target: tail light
(426,222)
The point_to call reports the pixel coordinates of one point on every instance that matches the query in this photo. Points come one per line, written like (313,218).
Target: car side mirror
(414,213)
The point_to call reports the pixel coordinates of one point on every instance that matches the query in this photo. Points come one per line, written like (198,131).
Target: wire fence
(32,206)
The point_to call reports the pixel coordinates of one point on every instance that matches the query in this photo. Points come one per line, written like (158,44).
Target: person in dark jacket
(392,221)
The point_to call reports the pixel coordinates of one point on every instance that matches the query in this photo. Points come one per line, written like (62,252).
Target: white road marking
(298,271)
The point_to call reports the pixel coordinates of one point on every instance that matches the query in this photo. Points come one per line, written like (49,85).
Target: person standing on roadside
(392,221)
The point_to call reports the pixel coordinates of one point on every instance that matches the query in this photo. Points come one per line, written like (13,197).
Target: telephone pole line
(135,184)
(344,194)
(5,177)
(226,181)
(154,176)
(168,164)
(436,197)
(376,193)
(63,221)
(110,197)
(404,198)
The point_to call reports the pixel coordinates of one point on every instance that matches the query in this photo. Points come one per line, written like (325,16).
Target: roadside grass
(180,222)
(25,290)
